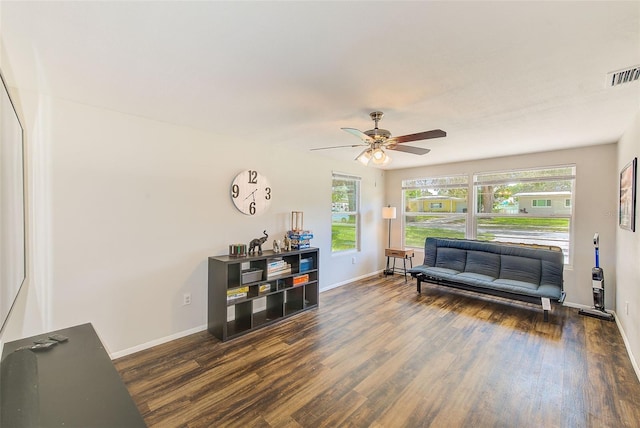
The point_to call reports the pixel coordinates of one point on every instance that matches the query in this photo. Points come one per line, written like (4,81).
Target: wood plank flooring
(377,354)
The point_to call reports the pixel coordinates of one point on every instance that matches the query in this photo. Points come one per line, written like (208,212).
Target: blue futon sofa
(526,273)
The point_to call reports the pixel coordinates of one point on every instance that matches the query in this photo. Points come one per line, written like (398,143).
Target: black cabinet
(246,293)
(72,384)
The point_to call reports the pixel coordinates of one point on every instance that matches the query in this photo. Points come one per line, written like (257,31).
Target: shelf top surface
(265,255)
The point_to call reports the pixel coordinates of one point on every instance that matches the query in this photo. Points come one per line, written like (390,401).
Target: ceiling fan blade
(364,137)
(435,133)
(410,149)
(337,147)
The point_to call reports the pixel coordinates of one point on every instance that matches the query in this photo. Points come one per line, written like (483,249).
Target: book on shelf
(275,263)
(297,280)
(278,272)
(306,264)
(236,296)
(264,288)
(237,290)
(278,267)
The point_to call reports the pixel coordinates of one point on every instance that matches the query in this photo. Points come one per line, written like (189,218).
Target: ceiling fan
(378,140)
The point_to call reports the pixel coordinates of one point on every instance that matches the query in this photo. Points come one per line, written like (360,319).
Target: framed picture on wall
(627,214)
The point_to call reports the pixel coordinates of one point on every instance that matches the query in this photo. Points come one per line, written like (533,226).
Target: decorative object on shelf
(257,242)
(251,192)
(627,214)
(276,246)
(389,213)
(300,239)
(297,221)
(297,236)
(287,243)
(237,250)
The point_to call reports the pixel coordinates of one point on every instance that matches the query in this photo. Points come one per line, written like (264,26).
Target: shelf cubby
(311,294)
(294,300)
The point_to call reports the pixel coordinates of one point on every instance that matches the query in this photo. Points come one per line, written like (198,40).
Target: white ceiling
(501,78)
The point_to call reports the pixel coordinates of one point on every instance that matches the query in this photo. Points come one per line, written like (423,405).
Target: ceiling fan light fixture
(379,156)
(364,157)
(387,159)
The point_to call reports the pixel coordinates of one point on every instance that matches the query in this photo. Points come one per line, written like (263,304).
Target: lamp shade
(388,213)
(364,157)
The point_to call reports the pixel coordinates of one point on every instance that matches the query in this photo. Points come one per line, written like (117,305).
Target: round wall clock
(251,192)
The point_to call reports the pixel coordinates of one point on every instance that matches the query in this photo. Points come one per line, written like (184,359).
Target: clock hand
(252,194)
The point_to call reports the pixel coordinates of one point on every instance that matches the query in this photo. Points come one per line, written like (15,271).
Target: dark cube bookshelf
(263,289)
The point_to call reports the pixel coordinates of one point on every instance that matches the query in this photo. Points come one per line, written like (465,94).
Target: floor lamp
(388,213)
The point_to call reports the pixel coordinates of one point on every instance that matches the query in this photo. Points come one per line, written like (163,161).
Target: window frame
(335,210)
(475,183)
(427,185)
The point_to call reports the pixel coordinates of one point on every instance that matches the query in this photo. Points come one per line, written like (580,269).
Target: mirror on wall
(12,219)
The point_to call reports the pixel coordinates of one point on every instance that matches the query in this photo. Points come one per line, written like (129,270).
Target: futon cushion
(520,269)
(475,278)
(483,263)
(552,272)
(451,258)
(515,286)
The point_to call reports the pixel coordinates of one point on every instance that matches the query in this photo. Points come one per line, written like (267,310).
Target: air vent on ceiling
(627,75)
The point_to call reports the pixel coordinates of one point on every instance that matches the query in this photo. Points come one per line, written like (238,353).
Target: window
(526,206)
(531,206)
(541,202)
(434,207)
(345,213)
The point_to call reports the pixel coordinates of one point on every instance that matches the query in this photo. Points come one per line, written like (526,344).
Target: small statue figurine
(257,242)
(287,243)
(276,246)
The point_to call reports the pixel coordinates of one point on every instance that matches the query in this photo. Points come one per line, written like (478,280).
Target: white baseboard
(576,305)
(156,342)
(634,362)
(340,284)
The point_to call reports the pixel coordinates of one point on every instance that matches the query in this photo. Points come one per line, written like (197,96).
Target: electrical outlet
(626,308)
(353,260)
(186,299)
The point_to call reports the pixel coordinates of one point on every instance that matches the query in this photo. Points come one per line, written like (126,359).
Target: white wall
(595,208)
(124,212)
(628,255)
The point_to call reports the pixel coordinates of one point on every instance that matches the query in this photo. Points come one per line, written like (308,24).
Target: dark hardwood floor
(378,354)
